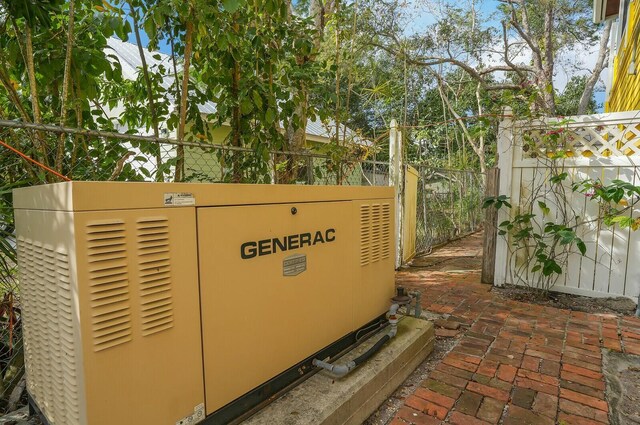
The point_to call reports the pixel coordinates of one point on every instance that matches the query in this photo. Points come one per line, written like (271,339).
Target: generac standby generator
(170,303)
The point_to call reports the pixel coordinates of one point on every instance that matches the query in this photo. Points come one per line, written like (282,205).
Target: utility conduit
(339,370)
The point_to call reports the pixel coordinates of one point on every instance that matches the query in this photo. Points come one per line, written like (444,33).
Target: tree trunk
(296,138)
(549,61)
(183,98)
(603,51)
(481,154)
(478,150)
(33,88)
(13,94)
(236,115)
(66,82)
(152,105)
(320,11)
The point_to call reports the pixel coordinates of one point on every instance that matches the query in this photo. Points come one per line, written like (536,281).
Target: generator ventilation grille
(48,336)
(154,268)
(108,284)
(375,233)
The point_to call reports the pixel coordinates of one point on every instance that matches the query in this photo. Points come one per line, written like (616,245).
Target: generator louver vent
(154,268)
(109,284)
(48,332)
(365,234)
(386,230)
(375,231)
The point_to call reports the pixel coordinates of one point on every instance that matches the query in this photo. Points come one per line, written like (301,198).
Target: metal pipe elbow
(338,370)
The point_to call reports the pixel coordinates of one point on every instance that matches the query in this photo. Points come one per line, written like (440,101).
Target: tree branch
(472,72)
(147,81)
(506,52)
(524,30)
(603,53)
(13,94)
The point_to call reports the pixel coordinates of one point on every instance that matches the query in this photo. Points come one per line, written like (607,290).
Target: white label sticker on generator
(176,199)
(293,265)
(197,416)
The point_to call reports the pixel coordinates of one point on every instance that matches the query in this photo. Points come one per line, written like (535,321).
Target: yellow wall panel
(625,90)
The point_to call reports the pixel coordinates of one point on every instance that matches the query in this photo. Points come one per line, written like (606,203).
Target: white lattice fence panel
(580,137)
(598,147)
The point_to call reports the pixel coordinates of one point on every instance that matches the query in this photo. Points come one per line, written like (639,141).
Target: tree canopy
(269,65)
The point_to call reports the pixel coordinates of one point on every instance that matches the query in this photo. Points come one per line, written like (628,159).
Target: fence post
(490,228)
(505,167)
(396,179)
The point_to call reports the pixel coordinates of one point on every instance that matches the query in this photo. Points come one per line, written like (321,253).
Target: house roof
(129,57)
(605,9)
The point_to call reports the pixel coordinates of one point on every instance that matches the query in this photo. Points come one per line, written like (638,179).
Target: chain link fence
(104,156)
(449,205)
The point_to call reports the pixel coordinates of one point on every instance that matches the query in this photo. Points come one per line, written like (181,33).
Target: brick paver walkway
(515,363)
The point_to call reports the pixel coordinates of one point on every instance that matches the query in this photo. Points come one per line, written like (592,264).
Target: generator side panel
(50,323)
(140,316)
(276,286)
(374,250)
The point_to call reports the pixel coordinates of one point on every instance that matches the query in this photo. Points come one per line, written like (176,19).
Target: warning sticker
(293,265)
(197,416)
(179,199)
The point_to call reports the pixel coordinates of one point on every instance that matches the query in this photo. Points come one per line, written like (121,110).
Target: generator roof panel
(94,196)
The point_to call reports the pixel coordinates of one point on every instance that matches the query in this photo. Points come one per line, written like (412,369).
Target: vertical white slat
(519,174)
(551,200)
(505,164)
(605,242)
(620,246)
(536,190)
(521,195)
(577,202)
(555,191)
(589,235)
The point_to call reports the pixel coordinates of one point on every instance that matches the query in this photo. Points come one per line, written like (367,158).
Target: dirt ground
(622,372)
(618,305)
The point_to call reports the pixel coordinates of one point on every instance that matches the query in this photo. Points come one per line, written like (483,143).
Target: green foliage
(248,58)
(497,202)
(542,242)
(617,201)
(33,12)
(567,102)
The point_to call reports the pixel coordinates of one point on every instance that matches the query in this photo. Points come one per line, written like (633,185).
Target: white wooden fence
(604,147)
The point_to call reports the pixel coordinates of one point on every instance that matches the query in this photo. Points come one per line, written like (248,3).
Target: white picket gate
(604,147)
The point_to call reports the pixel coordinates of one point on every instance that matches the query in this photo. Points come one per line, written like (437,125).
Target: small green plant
(542,247)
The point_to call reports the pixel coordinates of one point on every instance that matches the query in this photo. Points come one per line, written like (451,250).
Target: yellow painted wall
(410,213)
(204,166)
(625,90)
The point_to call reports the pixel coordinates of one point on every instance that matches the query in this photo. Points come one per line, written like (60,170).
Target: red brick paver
(514,363)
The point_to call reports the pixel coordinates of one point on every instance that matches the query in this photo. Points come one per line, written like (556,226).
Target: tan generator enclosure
(176,303)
